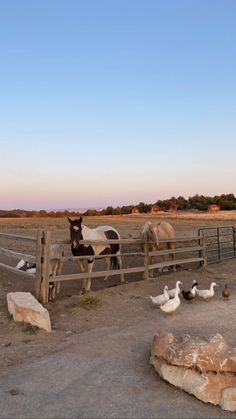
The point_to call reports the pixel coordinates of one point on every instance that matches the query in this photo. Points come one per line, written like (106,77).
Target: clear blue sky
(116,101)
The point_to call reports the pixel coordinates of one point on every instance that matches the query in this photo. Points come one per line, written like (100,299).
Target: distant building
(213,208)
(135,210)
(155,209)
(173,208)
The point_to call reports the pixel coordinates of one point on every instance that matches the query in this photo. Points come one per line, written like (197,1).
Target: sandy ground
(96,363)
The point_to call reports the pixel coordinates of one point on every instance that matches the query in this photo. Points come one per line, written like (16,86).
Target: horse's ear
(70,221)
(80,220)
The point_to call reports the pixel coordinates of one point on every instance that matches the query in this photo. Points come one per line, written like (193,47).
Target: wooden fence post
(39,260)
(44,292)
(146,260)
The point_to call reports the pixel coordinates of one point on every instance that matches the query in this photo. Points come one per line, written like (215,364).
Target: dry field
(122,311)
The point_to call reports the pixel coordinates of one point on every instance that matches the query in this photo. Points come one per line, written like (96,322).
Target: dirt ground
(124,308)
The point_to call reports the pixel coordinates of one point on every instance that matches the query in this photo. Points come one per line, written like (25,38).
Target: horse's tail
(114,263)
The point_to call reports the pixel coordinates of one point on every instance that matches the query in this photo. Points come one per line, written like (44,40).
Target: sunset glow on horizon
(114,103)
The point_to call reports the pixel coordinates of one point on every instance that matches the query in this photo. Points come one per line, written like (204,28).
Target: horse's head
(75,232)
(150,233)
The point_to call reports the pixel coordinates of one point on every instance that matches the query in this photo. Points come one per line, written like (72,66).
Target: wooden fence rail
(17,237)
(17,271)
(130,241)
(43,242)
(11,253)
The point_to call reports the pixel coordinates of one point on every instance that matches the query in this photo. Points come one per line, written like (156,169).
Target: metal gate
(220,242)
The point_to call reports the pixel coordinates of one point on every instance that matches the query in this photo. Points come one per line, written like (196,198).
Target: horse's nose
(74,244)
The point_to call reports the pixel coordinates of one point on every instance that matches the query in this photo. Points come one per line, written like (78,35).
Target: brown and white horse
(79,231)
(153,232)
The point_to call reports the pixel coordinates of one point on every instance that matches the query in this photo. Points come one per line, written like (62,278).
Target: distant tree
(126,209)
(143,208)
(31,214)
(109,210)
(91,212)
(51,214)
(42,213)
(200,202)
(226,201)
(182,203)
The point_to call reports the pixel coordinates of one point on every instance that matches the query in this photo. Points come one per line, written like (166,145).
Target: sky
(113,102)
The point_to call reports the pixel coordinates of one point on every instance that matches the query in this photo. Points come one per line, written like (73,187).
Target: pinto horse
(153,233)
(79,231)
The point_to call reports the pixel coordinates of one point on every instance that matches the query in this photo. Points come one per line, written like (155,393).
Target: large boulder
(206,369)
(25,308)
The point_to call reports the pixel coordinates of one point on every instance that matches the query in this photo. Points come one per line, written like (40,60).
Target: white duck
(172,291)
(23,265)
(162,298)
(171,305)
(205,294)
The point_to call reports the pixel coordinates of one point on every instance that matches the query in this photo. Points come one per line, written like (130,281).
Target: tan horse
(153,232)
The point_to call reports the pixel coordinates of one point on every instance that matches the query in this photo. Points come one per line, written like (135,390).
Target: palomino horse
(153,233)
(79,231)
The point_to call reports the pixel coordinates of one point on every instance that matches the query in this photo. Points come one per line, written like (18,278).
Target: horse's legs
(51,294)
(108,263)
(53,272)
(151,272)
(58,284)
(120,264)
(82,268)
(162,260)
(88,281)
(119,260)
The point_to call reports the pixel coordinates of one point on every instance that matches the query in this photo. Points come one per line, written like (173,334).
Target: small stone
(5,345)
(14,392)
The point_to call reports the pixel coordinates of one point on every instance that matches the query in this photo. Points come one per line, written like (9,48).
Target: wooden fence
(42,258)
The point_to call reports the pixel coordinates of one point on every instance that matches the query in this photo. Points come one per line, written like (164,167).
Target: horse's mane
(147,228)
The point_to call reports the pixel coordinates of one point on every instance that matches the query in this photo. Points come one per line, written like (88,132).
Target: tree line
(196,202)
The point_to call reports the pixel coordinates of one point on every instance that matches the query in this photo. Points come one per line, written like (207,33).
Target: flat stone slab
(206,369)
(24,307)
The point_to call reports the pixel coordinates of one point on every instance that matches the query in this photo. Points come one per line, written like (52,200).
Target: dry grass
(29,329)
(87,302)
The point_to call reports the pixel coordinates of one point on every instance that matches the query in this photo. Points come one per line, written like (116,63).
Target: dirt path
(96,363)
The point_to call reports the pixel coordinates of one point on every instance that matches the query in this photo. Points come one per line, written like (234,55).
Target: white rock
(25,308)
(204,368)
